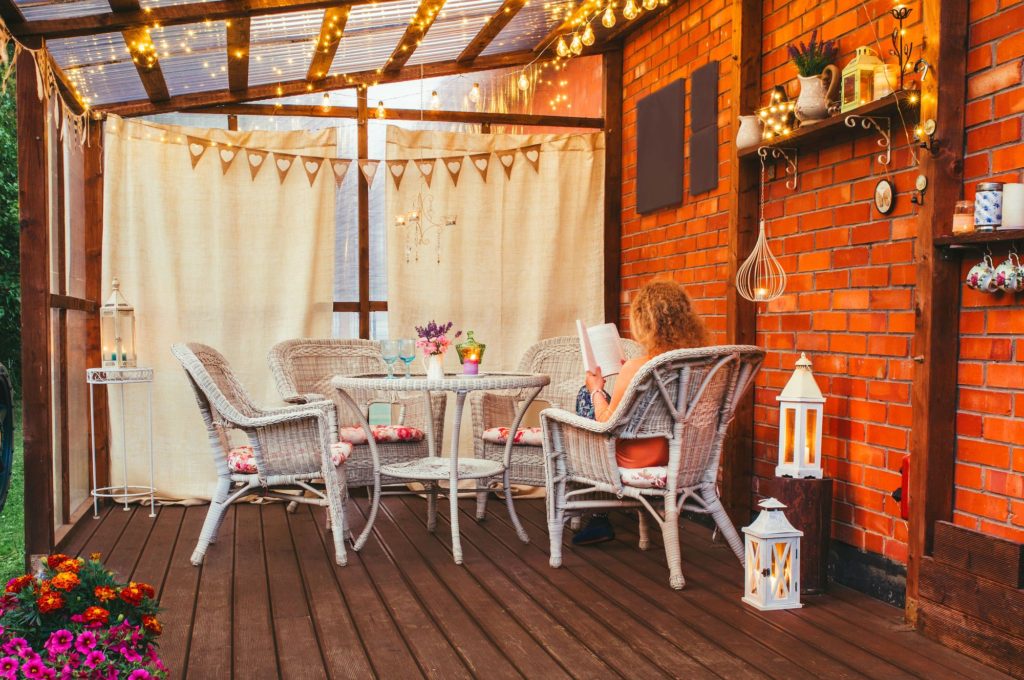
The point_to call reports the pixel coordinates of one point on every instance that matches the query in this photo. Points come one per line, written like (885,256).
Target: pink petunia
(130,655)
(94,658)
(14,646)
(34,670)
(140,674)
(9,667)
(86,642)
(60,641)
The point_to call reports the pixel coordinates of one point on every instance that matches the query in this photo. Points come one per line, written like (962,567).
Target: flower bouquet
(75,620)
(434,341)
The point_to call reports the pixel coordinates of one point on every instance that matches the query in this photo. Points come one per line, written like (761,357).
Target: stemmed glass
(389,352)
(407,353)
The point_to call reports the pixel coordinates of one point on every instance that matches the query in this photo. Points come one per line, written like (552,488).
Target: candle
(471,365)
(760,293)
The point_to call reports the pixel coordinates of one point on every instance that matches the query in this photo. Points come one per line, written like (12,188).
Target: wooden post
(92,173)
(741,315)
(33,203)
(363,149)
(937,295)
(613,94)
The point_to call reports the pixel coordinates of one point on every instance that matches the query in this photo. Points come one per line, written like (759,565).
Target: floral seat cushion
(241,459)
(525,436)
(390,434)
(645,477)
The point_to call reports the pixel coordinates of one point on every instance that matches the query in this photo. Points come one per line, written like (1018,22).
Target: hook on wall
(779,153)
(868,122)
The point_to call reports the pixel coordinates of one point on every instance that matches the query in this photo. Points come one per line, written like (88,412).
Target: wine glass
(407,353)
(389,352)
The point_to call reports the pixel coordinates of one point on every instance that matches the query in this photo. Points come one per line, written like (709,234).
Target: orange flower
(49,601)
(97,615)
(95,557)
(71,565)
(132,594)
(53,560)
(104,593)
(65,581)
(151,624)
(16,585)
(147,590)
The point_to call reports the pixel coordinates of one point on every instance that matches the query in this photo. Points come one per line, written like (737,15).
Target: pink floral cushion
(645,477)
(381,433)
(241,459)
(525,436)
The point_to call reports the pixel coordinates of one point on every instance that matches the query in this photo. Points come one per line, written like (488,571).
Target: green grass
(12,519)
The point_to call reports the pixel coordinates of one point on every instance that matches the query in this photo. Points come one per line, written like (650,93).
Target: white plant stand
(125,492)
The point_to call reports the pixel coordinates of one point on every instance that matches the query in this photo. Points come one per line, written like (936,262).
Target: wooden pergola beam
(570,24)
(146,63)
(171,15)
(10,13)
(331,30)
(238,53)
(506,13)
(418,26)
(67,90)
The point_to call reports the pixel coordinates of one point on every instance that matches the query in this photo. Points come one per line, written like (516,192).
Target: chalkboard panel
(659,158)
(704,129)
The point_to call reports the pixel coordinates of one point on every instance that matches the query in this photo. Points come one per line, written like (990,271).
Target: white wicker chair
(688,396)
(303,370)
(291,446)
(558,357)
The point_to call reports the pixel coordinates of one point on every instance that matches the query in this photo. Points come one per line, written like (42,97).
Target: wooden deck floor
(270,603)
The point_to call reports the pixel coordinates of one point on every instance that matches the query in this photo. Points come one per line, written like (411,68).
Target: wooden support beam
(414,33)
(937,293)
(10,13)
(169,15)
(64,86)
(36,381)
(741,314)
(570,24)
(613,94)
(506,13)
(363,201)
(238,53)
(146,63)
(331,31)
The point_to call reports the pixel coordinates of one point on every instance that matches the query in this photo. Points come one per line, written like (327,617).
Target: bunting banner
(283,162)
(196,148)
(369,170)
(397,171)
(507,159)
(481,161)
(454,167)
(340,167)
(312,165)
(227,157)
(255,158)
(426,168)
(532,155)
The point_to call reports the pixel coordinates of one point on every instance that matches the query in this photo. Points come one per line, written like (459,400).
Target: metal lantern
(772,567)
(117,330)
(801,406)
(859,79)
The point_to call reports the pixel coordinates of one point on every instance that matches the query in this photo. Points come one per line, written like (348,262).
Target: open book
(600,347)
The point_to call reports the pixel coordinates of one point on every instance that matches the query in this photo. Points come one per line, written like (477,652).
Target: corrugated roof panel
(277,27)
(189,73)
(458,22)
(381,16)
(366,50)
(529,26)
(279,62)
(108,83)
(88,50)
(63,9)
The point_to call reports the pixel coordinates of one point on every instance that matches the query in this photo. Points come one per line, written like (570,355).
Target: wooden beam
(472,117)
(10,13)
(937,293)
(506,13)
(331,31)
(238,53)
(64,86)
(613,94)
(170,15)
(414,33)
(36,382)
(741,314)
(146,63)
(363,201)
(570,24)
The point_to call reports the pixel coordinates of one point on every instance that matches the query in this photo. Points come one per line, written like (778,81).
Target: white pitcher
(434,364)
(749,133)
(815,94)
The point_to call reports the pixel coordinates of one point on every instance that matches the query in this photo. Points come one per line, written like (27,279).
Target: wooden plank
(146,63)
(331,31)
(741,314)
(375,306)
(937,294)
(207,651)
(92,208)
(613,94)
(123,556)
(970,637)
(75,539)
(155,557)
(36,382)
(74,303)
(506,13)
(60,347)
(417,29)
(178,597)
(363,198)
(995,604)
(991,557)
(977,238)
(253,646)
(238,53)
(570,24)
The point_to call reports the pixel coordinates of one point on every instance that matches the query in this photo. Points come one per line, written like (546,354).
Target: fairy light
(435,100)
(524,82)
(608,18)
(650,4)
(588,37)
(630,11)
(381,113)
(474,93)
(576,46)
(326,101)
(561,49)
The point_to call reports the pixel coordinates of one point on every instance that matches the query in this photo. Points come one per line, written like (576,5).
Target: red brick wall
(990,447)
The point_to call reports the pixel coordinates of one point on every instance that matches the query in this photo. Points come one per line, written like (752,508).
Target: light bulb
(588,35)
(630,11)
(327,101)
(380,109)
(435,100)
(650,4)
(474,93)
(608,18)
(561,49)
(576,46)
(524,82)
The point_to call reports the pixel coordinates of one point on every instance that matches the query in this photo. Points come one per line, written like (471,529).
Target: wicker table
(432,468)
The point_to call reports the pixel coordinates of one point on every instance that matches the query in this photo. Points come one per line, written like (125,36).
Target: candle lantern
(800,414)
(772,565)
(471,353)
(117,330)
(859,79)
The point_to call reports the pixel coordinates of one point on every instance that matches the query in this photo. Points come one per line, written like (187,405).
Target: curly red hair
(662,318)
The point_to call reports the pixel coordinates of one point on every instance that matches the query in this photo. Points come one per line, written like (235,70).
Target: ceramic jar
(988,206)
(815,94)
(749,133)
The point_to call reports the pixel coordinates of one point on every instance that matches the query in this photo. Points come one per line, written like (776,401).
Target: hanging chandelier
(420,227)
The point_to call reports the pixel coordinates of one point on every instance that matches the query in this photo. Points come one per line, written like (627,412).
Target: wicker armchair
(303,370)
(291,446)
(688,396)
(558,357)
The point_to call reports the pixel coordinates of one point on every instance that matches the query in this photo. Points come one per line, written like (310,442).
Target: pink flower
(130,655)
(60,641)
(15,645)
(34,669)
(95,658)
(8,667)
(140,674)
(86,642)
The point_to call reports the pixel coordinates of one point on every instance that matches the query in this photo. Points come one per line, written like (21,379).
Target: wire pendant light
(761,278)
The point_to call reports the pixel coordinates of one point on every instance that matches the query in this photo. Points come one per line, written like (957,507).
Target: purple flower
(95,658)
(27,653)
(8,667)
(15,645)
(60,641)
(86,642)
(130,655)
(140,674)
(34,669)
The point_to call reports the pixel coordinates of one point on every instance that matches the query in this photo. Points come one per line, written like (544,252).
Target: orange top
(633,453)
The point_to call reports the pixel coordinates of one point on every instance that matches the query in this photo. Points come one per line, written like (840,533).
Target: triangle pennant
(312,165)
(454,167)
(227,157)
(507,159)
(426,168)
(340,167)
(196,148)
(532,154)
(369,170)
(283,162)
(255,158)
(481,161)
(397,170)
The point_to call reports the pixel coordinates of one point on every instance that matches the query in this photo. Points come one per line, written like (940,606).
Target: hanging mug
(1009,275)
(983,276)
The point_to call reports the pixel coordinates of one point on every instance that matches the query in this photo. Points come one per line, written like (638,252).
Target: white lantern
(772,566)
(117,330)
(800,414)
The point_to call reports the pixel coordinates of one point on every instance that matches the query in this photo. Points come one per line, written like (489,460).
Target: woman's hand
(595,381)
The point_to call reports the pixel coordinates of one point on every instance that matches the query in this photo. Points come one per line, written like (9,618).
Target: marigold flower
(65,581)
(104,593)
(16,585)
(72,565)
(147,590)
(95,557)
(132,594)
(49,601)
(53,560)
(152,624)
(96,615)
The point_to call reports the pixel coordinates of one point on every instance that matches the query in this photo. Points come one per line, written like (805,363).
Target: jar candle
(988,206)
(1013,206)
(963,217)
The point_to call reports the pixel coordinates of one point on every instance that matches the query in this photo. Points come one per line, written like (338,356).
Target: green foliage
(10,284)
(811,59)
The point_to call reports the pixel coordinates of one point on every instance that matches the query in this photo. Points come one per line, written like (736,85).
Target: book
(601,347)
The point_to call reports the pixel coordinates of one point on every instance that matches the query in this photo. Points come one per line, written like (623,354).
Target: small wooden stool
(809,508)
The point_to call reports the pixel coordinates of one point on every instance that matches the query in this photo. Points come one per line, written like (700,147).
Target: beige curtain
(214,257)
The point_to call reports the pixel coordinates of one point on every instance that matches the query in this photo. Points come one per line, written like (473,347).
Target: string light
(608,18)
(588,35)
(576,46)
(435,100)
(524,82)
(561,49)
(650,4)
(474,93)
(381,113)
(327,101)
(630,11)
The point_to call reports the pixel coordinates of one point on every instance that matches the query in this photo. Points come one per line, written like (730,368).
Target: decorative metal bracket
(868,122)
(781,153)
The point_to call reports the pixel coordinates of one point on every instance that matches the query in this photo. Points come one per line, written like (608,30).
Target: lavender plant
(812,58)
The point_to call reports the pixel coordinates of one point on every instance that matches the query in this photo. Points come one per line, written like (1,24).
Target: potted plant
(434,341)
(819,77)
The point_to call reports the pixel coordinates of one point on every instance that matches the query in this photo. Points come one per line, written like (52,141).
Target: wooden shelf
(979,238)
(809,135)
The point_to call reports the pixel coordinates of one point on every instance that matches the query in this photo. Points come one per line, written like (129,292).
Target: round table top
(454,382)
